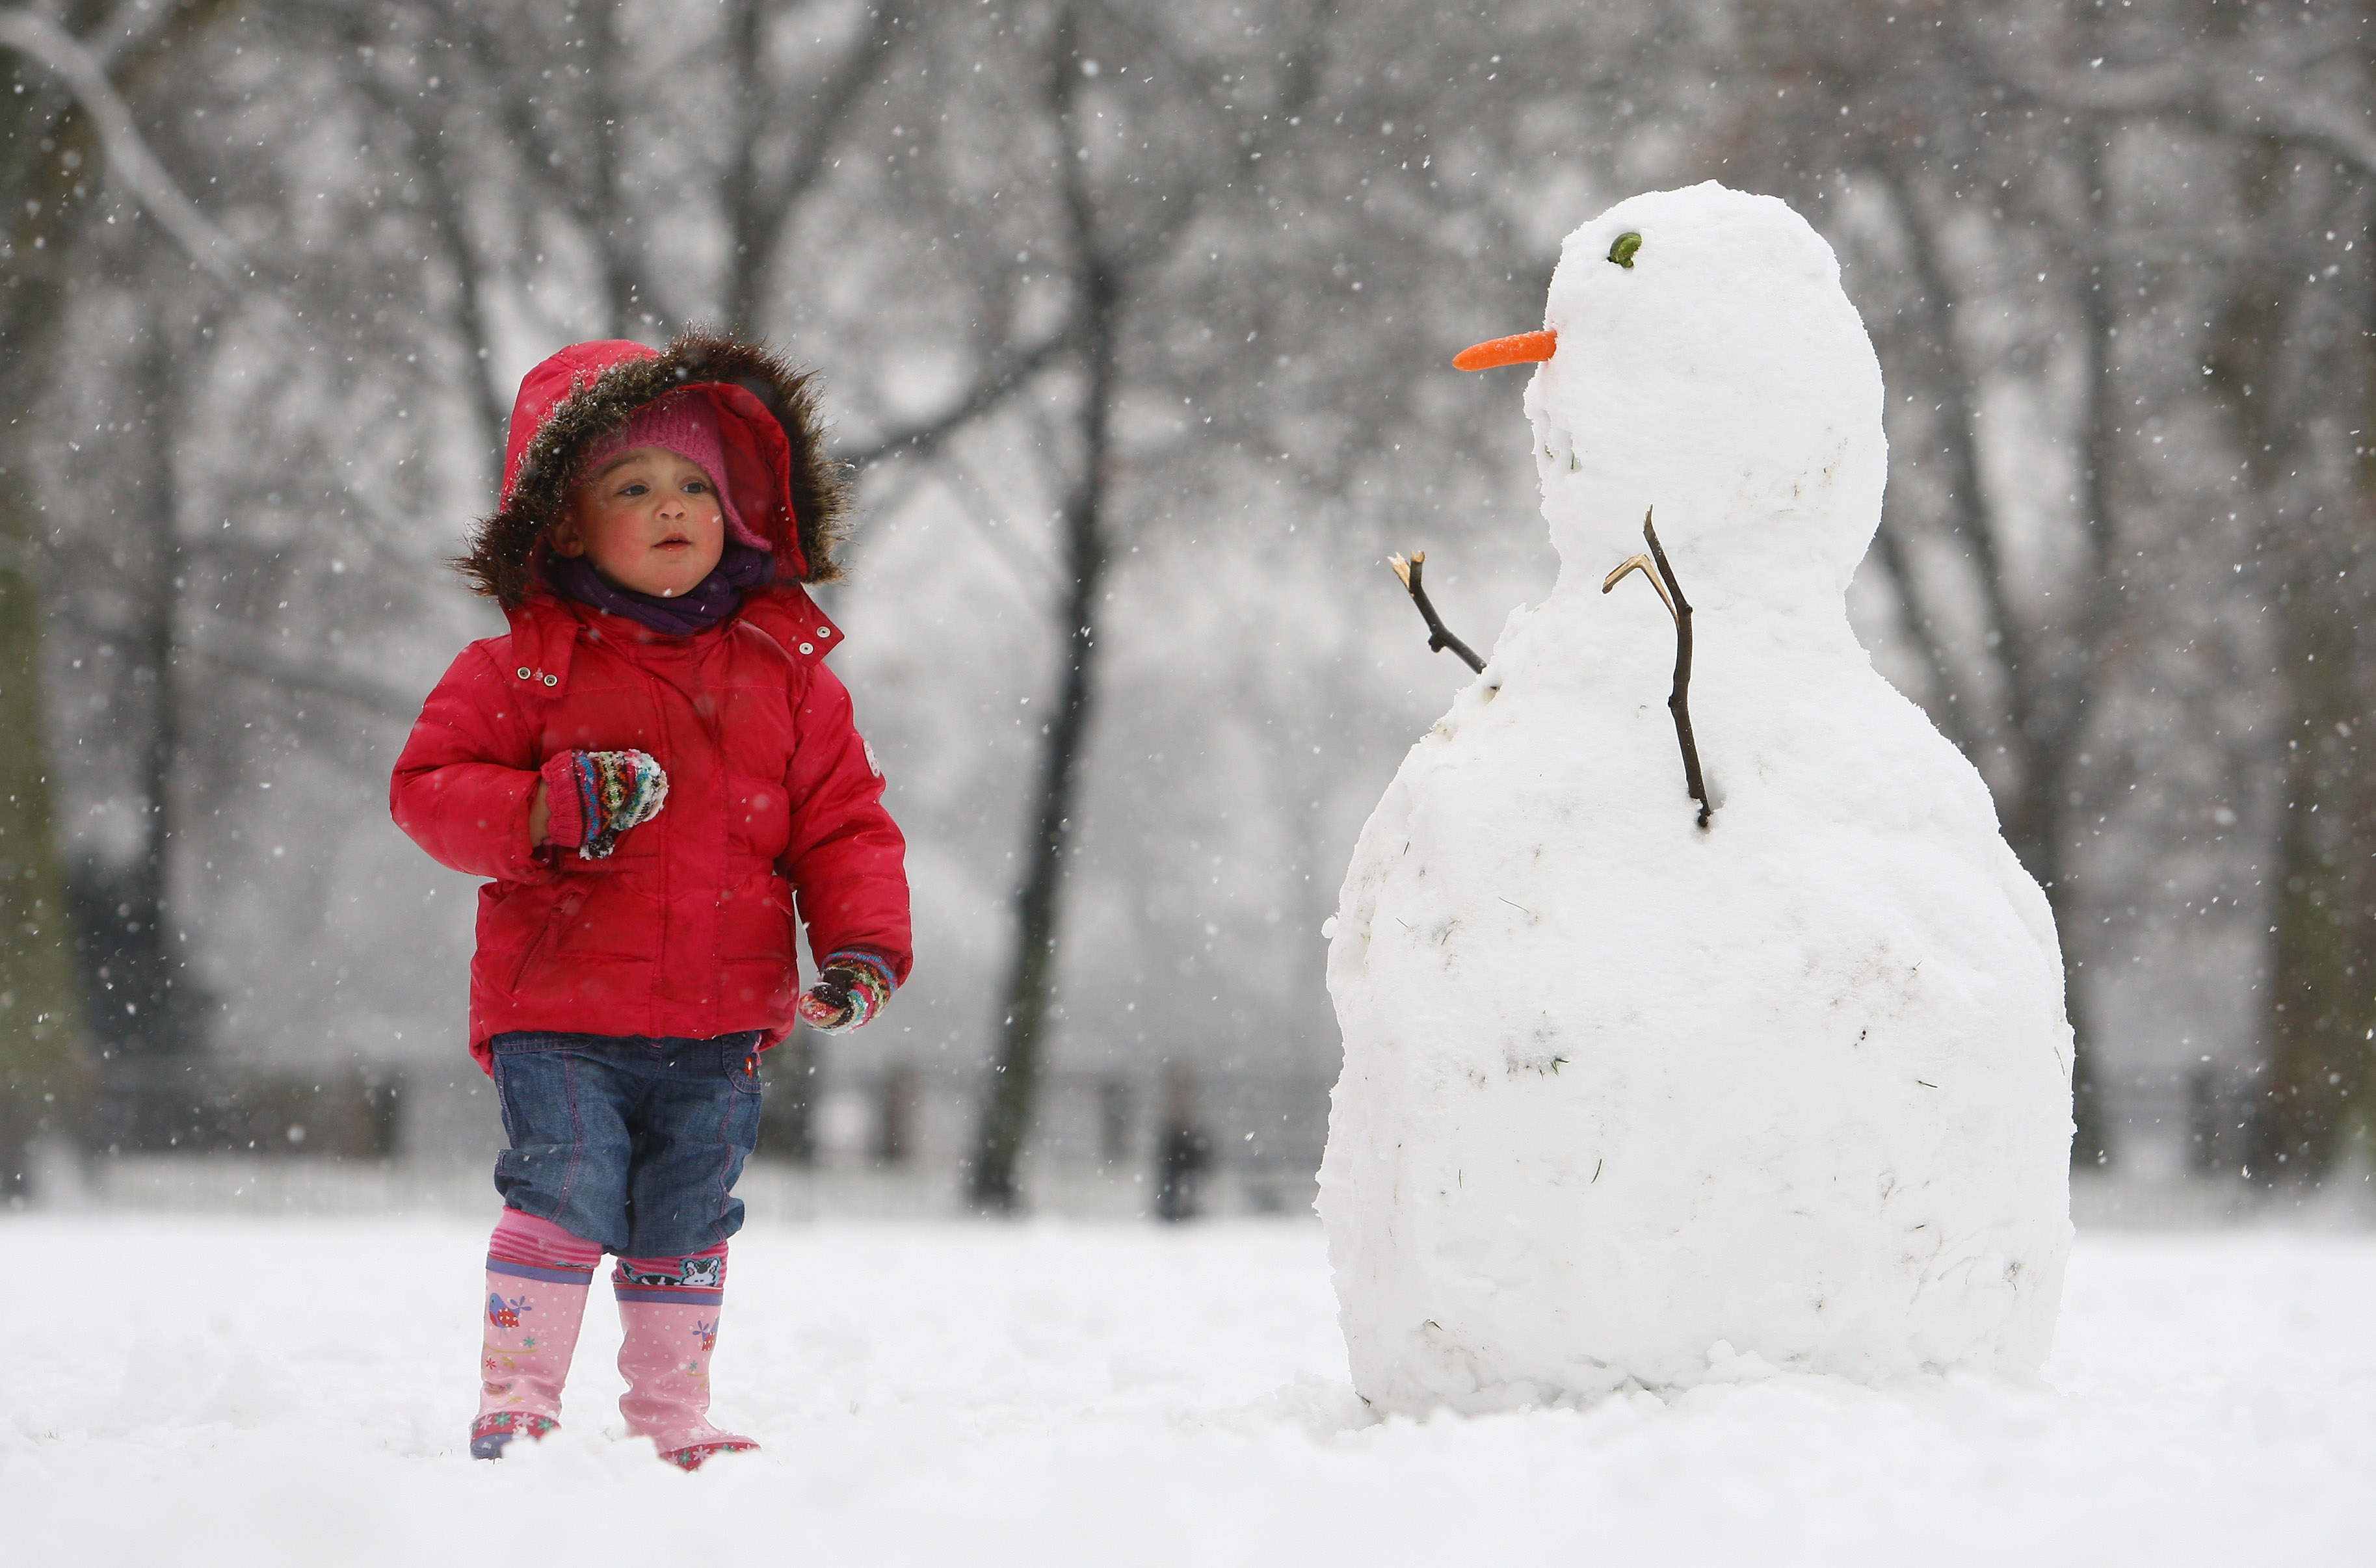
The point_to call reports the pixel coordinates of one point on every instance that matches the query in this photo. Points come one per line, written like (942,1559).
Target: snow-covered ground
(204,1389)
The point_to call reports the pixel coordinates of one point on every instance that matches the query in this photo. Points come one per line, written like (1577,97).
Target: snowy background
(1151,307)
(1152,303)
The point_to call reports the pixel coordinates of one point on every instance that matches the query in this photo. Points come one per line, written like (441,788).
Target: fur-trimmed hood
(786,489)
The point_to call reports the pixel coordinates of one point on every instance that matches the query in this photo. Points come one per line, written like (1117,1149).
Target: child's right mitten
(592,797)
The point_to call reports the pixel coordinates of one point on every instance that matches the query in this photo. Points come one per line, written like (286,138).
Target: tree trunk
(141,1007)
(2320,1003)
(1039,905)
(44,1071)
(43,1066)
(2047,676)
(2292,359)
(48,164)
(2319,1000)
(1006,1112)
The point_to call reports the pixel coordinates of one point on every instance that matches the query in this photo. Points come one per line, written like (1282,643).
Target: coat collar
(546,629)
(544,639)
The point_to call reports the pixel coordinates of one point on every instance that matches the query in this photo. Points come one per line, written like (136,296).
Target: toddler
(654,770)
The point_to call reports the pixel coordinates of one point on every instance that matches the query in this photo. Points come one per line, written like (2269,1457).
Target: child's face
(648,521)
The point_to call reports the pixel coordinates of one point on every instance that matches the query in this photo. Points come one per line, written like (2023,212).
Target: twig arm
(1437,638)
(1649,571)
(1679,702)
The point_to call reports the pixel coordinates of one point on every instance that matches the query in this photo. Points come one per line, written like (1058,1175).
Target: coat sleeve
(469,771)
(846,858)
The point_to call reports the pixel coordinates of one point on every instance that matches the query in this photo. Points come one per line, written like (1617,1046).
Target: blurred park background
(1135,321)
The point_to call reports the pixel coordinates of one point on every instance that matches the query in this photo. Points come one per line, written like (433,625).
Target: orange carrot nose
(1523,348)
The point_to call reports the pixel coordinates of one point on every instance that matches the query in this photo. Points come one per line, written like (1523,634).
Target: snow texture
(1617,1088)
(204,1390)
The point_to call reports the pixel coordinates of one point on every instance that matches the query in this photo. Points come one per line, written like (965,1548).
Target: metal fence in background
(1179,1129)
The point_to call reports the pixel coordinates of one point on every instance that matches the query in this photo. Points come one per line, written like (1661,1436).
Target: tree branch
(756,215)
(448,222)
(988,392)
(249,653)
(43,41)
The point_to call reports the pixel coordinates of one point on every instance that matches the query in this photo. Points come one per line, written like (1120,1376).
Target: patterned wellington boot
(668,1309)
(531,1318)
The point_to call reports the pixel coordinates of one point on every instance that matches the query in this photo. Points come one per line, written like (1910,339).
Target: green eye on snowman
(1623,252)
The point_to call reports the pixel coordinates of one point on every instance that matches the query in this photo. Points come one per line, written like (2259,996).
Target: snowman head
(1700,358)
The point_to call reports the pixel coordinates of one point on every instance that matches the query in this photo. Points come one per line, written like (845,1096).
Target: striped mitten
(595,796)
(852,989)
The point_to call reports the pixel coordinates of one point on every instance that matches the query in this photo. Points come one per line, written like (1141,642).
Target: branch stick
(1679,702)
(1437,638)
(29,33)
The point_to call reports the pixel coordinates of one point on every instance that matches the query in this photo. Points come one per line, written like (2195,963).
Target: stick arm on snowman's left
(1438,637)
(1661,577)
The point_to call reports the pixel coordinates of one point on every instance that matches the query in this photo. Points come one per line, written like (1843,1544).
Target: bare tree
(1115,239)
(137,993)
(2293,362)
(1985,151)
(58,130)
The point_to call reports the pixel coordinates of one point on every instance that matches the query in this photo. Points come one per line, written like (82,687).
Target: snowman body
(1619,1089)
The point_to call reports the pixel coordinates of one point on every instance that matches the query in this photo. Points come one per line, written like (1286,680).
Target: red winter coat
(774,802)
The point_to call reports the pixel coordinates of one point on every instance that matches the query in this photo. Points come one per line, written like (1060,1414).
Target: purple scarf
(701,607)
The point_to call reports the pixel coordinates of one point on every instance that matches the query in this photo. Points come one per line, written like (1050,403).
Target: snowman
(1640,1087)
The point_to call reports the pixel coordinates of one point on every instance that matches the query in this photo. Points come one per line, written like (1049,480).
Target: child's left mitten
(592,797)
(851,989)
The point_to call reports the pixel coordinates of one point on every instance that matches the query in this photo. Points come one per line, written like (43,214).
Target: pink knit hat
(687,425)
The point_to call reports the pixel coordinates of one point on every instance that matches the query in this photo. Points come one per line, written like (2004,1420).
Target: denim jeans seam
(728,1111)
(725,1159)
(636,1118)
(504,1103)
(577,1132)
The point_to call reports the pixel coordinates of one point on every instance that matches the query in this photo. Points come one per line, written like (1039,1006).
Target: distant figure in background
(652,767)
(1182,1150)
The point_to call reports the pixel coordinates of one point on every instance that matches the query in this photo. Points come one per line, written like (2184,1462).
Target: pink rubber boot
(536,1298)
(668,1309)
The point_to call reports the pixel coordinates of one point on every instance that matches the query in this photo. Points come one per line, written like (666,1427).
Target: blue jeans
(628,1141)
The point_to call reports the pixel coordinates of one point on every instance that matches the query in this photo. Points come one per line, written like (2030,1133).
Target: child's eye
(638,488)
(697,487)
